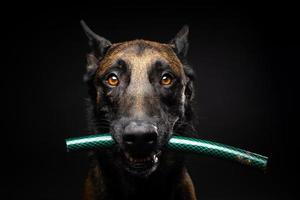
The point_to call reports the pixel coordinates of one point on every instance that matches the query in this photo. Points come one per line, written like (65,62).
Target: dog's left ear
(180,43)
(189,90)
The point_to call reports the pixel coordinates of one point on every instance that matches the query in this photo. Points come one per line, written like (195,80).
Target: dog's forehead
(141,54)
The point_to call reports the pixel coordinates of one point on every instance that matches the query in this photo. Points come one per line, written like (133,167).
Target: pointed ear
(98,44)
(180,43)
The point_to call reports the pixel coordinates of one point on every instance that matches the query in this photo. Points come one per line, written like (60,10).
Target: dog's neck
(107,182)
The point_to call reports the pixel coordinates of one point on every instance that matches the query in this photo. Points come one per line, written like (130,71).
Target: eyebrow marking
(140,49)
(161,65)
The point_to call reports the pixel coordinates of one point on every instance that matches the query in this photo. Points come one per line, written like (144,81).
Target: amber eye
(112,80)
(166,79)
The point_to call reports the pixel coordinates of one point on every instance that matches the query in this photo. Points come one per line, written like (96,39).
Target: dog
(141,93)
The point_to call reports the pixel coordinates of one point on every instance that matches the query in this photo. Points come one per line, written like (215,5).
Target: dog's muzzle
(140,138)
(139,141)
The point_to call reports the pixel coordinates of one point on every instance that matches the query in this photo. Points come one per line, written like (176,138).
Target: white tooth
(155,159)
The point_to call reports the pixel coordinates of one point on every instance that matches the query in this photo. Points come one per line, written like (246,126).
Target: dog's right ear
(99,45)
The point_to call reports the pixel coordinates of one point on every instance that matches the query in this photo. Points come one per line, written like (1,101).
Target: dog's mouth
(141,165)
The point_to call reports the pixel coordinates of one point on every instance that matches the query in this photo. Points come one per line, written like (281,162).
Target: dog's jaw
(141,167)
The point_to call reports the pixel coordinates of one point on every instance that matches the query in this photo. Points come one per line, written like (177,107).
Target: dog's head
(140,92)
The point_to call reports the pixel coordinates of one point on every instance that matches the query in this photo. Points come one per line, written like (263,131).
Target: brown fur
(186,190)
(125,50)
(94,182)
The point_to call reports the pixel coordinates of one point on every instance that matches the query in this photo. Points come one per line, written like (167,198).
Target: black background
(243,57)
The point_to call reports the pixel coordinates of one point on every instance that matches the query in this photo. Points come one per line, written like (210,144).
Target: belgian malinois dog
(140,92)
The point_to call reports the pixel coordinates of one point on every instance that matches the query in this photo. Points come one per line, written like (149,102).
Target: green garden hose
(177,143)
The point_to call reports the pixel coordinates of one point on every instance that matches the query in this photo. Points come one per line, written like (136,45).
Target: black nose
(140,136)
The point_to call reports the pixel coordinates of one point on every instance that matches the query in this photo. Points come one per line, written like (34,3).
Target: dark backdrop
(242,58)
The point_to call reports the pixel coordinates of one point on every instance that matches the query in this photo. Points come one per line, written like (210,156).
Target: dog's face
(141,91)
